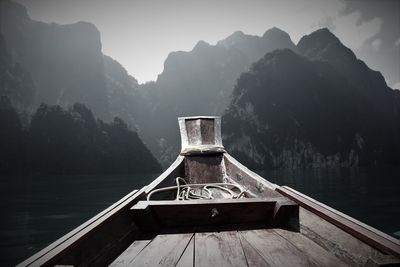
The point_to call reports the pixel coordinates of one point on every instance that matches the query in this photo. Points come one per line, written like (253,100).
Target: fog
(140,34)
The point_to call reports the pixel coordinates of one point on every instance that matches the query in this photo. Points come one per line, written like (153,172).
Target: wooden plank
(253,257)
(276,250)
(206,212)
(333,239)
(163,250)
(187,259)
(130,253)
(218,249)
(310,248)
(383,261)
(352,226)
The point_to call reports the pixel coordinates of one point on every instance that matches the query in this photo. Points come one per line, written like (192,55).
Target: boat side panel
(167,178)
(248,179)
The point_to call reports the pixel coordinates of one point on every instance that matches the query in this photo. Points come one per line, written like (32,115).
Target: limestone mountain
(321,107)
(63,65)
(15,82)
(201,81)
(65,61)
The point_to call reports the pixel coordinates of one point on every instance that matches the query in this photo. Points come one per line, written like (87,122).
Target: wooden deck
(263,247)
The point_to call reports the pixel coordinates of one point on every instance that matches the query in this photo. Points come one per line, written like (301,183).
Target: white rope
(186,191)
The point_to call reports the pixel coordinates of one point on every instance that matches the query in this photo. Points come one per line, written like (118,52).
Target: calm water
(371,195)
(38,210)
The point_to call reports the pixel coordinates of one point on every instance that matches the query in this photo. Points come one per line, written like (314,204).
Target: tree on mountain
(72,141)
(12,139)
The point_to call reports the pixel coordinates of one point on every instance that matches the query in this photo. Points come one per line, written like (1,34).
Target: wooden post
(202,148)
(201,135)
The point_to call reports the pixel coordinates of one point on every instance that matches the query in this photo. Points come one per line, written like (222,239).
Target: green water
(38,210)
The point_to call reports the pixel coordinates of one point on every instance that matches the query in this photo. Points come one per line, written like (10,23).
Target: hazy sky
(140,33)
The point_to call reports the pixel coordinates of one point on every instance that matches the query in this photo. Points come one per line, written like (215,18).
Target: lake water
(371,195)
(38,210)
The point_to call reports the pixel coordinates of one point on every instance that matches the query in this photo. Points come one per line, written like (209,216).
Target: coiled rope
(186,191)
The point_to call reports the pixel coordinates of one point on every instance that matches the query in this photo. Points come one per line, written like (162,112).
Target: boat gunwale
(357,229)
(250,173)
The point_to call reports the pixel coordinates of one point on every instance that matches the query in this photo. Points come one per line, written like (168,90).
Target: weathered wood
(286,214)
(276,250)
(333,239)
(144,217)
(204,169)
(218,249)
(130,253)
(187,258)
(253,257)
(177,213)
(201,135)
(200,131)
(383,261)
(315,252)
(248,179)
(352,226)
(163,250)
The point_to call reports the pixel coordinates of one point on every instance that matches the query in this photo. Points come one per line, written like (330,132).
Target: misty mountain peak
(14,9)
(321,36)
(84,26)
(201,45)
(233,39)
(255,47)
(238,34)
(275,32)
(322,43)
